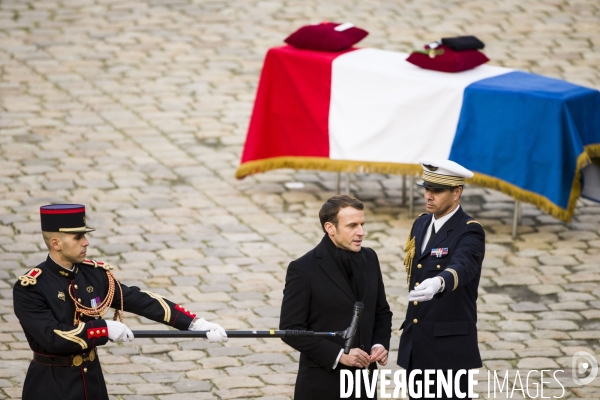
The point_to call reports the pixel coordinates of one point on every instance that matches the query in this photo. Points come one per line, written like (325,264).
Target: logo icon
(584,367)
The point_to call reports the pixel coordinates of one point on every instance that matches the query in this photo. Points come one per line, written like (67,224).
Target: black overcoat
(317,297)
(46,311)
(442,333)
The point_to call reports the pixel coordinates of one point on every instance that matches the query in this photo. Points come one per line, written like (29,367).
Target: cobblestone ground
(139,110)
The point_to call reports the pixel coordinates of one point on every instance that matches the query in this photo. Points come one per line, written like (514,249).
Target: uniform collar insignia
(60,271)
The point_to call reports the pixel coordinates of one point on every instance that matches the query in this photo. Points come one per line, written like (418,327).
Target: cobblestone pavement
(139,109)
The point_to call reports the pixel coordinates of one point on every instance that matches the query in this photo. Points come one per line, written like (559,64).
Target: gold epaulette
(98,264)
(474,222)
(410,250)
(420,215)
(30,278)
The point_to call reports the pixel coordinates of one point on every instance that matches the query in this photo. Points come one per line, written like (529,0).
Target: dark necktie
(430,241)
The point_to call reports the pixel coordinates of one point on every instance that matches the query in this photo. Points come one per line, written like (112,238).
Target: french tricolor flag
(369,110)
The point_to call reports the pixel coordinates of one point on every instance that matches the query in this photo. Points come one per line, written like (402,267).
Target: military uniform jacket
(441,333)
(318,298)
(46,312)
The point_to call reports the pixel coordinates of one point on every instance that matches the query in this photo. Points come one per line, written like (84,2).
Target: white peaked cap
(443,174)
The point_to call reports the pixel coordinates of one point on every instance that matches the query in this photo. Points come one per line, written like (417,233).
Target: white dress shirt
(438,225)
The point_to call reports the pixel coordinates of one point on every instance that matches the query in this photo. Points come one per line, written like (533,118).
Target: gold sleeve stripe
(162,302)
(473,222)
(453,272)
(72,335)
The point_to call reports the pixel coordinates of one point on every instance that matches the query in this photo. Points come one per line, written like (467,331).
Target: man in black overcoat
(60,305)
(321,289)
(444,255)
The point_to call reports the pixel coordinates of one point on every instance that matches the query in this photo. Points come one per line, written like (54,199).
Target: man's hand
(356,358)
(426,290)
(379,354)
(118,331)
(215,332)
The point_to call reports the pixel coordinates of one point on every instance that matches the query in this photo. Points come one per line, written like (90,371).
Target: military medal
(61,296)
(439,252)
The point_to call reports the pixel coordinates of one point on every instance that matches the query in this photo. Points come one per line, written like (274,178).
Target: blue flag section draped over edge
(519,132)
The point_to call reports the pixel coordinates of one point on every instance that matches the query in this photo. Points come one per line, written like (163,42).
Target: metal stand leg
(516,219)
(411,195)
(403,190)
(337,182)
(347,191)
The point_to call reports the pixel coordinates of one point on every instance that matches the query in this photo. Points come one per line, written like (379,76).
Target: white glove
(426,290)
(118,331)
(215,332)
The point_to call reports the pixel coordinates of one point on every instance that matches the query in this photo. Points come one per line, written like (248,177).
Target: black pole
(236,334)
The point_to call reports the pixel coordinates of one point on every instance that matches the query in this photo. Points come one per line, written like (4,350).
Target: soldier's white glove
(118,331)
(426,290)
(215,333)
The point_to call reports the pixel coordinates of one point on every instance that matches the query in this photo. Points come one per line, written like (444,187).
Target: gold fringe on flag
(325,164)
(543,203)
(527,196)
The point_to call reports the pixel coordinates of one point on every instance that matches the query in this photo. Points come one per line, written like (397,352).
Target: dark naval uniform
(64,340)
(441,333)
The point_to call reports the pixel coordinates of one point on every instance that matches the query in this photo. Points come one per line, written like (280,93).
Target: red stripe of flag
(291,110)
(62,211)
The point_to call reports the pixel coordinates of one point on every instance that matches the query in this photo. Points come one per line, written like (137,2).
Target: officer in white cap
(444,254)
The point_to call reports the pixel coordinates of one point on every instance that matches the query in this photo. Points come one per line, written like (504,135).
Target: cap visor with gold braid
(67,218)
(442,174)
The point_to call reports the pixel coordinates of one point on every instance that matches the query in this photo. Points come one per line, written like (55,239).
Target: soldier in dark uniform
(444,254)
(61,304)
